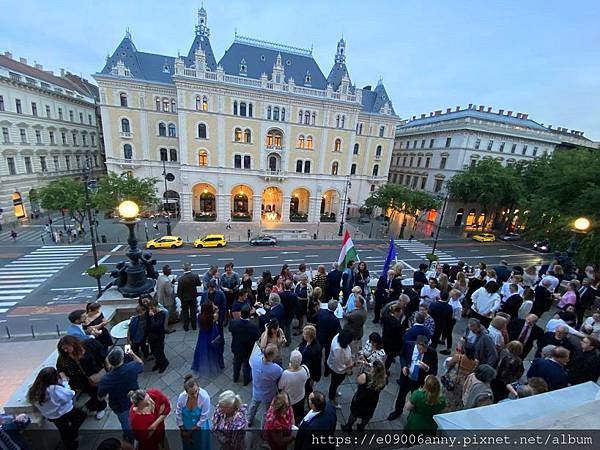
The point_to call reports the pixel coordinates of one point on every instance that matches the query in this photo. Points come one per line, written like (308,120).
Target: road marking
(12,297)
(312,256)
(270,257)
(16,286)
(474,250)
(15,291)
(372,257)
(293,260)
(82,247)
(2,311)
(116,248)
(288,253)
(408,265)
(225,259)
(28,271)
(104,258)
(6,304)
(18,277)
(74,288)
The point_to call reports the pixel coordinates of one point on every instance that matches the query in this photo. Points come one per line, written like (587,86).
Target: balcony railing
(125,134)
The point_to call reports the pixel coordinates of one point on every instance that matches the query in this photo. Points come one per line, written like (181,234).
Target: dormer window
(243,67)
(166,69)
(307,79)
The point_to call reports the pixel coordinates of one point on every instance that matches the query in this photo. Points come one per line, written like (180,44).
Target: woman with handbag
(208,356)
(82,363)
(459,367)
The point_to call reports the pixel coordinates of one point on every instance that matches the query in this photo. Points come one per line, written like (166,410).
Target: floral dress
(230,431)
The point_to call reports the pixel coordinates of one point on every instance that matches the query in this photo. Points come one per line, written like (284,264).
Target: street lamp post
(580,227)
(167,214)
(348,185)
(88,206)
(437,232)
(135,279)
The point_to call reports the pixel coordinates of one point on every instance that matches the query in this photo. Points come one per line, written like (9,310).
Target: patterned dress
(230,431)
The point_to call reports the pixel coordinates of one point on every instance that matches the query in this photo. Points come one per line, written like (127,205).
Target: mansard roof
(374,100)
(201,41)
(336,74)
(260,56)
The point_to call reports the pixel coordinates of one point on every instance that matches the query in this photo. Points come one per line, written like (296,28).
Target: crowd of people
(321,318)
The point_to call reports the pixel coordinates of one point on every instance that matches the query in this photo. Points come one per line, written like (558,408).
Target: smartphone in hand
(127,348)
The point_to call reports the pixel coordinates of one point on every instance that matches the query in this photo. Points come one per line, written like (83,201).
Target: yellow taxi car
(165,242)
(484,237)
(211,240)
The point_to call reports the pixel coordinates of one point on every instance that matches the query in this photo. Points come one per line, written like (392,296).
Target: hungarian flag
(348,251)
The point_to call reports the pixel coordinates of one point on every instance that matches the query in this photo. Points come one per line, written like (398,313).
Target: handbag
(447,381)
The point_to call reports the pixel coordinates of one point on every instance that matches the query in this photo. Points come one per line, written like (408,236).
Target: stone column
(223,207)
(256,203)
(285,209)
(186,206)
(313,209)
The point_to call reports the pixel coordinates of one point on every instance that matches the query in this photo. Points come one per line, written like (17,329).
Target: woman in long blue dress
(208,356)
(192,414)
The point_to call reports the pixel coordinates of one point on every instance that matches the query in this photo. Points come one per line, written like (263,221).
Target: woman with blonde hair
(530,276)
(443,284)
(424,403)
(191,415)
(147,415)
(461,283)
(278,422)
(229,421)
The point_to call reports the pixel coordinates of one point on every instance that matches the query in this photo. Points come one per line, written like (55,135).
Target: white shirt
(485,303)
(429,294)
(59,401)
(505,291)
(293,383)
(203,403)
(414,361)
(553,282)
(310,415)
(456,308)
(553,324)
(339,357)
(594,326)
(496,336)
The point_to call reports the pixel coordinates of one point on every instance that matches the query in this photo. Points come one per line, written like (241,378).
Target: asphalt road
(40,285)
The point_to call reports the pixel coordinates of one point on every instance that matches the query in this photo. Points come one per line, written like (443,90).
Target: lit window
(238,135)
(203,158)
(300,143)
(247,136)
(334,168)
(205,104)
(337,146)
(309,142)
(274,138)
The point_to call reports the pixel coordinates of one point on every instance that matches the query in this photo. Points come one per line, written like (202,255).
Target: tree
(65,194)
(114,188)
(490,184)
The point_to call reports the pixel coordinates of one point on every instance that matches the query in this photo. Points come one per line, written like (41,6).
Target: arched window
(283,114)
(378,152)
(250,112)
(238,135)
(306,166)
(274,138)
(202,131)
(334,168)
(247,162)
(314,118)
(157,104)
(127,151)
(203,158)
(162,129)
(123,98)
(243,109)
(125,126)
(299,165)
(337,146)
(353,169)
(164,154)
(172,130)
(300,116)
(247,136)
(235,109)
(173,154)
(356,149)
(276,113)
(173,107)
(337,121)
(205,103)
(375,170)
(300,143)
(268,113)
(343,120)
(165,104)
(307,118)
(198,103)
(382,131)
(309,142)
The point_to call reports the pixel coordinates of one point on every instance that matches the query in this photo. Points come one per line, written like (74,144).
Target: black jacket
(396,289)
(243,336)
(324,422)
(415,299)
(515,327)
(334,278)
(393,330)
(290,303)
(542,300)
(584,366)
(442,315)
(429,358)
(381,294)
(511,305)
(552,373)
(186,287)
(549,339)
(311,356)
(328,325)
(502,273)
(419,277)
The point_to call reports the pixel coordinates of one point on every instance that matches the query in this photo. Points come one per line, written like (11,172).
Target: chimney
(518,115)
(62,72)
(438,112)
(481,107)
(423,116)
(49,72)
(525,116)
(414,117)
(458,108)
(448,110)
(489,109)
(23,60)
(8,54)
(509,113)
(38,66)
(549,127)
(431,114)
(500,111)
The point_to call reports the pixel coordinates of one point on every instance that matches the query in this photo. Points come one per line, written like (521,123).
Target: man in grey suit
(355,322)
(165,294)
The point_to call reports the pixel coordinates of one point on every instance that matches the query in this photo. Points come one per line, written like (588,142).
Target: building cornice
(46,92)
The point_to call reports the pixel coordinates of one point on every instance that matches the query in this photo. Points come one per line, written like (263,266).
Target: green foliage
(400,199)
(97,272)
(114,188)
(64,194)
(431,257)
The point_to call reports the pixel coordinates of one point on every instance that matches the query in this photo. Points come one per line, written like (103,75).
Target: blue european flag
(391,257)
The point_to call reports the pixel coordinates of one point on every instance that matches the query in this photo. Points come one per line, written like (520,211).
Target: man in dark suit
(512,303)
(275,311)
(419,275)
(587,295)
(243,336)
(321,420)
(542,298)
(188,295)
(290,303)
(552,369)
(525,331)
(328,325)
(418,328)
(558,338)
(414,298)
(334,278)
(217,297)
(417,361)
(394,322)
(502,272)
(382,293)
(441,311)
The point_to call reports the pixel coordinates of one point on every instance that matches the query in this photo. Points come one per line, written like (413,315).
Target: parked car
(165,242)
(263,239)
(211,240)
(510,237)
(542,246)
(484,237)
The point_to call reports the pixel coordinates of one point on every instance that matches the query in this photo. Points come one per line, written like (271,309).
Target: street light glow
(128,209)
(582,224)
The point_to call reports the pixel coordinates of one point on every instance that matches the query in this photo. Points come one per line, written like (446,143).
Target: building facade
(431,149)
(49,129)
(262,136)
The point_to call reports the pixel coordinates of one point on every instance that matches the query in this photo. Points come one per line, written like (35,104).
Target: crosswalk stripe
(3,310)
(11,297)
(27,272)
(15,291)
(88,247)
(5,304)
(4,285)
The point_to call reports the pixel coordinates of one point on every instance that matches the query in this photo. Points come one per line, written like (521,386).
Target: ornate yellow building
(262,135)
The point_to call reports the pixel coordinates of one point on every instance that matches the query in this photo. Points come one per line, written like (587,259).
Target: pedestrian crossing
(420,249)
(32,234)
(21,277)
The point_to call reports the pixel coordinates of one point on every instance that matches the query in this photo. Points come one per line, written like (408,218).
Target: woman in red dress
(147,418)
